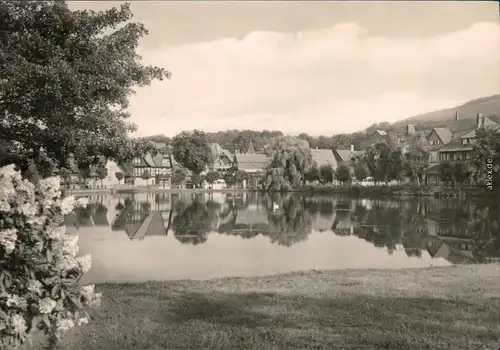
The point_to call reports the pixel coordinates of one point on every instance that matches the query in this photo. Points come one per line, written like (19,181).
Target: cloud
(327,81)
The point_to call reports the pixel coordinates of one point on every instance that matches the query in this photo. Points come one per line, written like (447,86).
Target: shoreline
(163,190)
(453,307)
(353,191)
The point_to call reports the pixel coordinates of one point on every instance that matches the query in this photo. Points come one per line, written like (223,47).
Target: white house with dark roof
(223,160)
(459,147)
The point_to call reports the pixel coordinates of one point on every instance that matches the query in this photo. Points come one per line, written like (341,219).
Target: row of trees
(292,164)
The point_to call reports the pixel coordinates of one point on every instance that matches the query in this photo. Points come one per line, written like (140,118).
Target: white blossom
(9,172)
(85,262)
(66,263)
(35,286)
(50,184)
(8,239)
(18,324)
(70,245)
(5,206)
(56,232)
(67,205)
(46,305)
(50,189)
(17,301)
(26,188)
(37,220)
(28,209)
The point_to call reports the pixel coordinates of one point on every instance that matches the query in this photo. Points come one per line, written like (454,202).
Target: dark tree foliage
(192,150)
(65,79)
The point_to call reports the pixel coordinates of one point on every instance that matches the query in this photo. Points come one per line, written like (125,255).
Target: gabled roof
(217,150)
(470,135)
(490,122)
(410,129)
(346,155)
(456,145)
(149,160)
(380,132)
(494,118)
(324,157)
(251,162)
(444,134)
(159,158)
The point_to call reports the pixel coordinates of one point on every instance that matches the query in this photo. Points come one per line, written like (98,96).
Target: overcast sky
(317,67)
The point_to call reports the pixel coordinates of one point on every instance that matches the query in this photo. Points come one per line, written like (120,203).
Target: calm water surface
(150,236)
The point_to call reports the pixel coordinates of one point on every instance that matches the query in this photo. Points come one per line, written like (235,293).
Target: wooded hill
(239,140)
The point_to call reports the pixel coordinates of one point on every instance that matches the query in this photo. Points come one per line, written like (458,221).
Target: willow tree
(65,79)
(291,161)
(290,225)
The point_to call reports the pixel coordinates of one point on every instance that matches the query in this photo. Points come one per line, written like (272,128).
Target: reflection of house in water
(142,218)
(250,223)
(344,227)
(153,225)
(455,250)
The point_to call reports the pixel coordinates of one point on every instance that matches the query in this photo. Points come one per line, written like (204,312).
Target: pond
(162,236)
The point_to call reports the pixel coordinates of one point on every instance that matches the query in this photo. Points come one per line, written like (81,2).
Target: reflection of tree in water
(125,215)
(179,206)
(320,205)
(101,209)
(381,225)
(326,207)
(120,206)
(192,225)
(85,213)
(414,227)
(411,223)
(292,223)
(453,218)
(485,225)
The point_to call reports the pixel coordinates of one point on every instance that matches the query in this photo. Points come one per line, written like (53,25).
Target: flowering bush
(39,270)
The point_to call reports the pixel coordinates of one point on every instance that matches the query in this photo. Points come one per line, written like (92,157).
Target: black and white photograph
(249,175)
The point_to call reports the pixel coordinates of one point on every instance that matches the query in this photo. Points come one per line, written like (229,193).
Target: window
(137,160)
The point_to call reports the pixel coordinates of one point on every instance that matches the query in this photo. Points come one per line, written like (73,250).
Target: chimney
(352,148)
(457,117)
(480,120)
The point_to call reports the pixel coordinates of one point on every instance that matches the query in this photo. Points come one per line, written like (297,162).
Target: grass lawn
(435,308)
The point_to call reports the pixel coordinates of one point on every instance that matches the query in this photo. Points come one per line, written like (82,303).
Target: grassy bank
(435,308)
